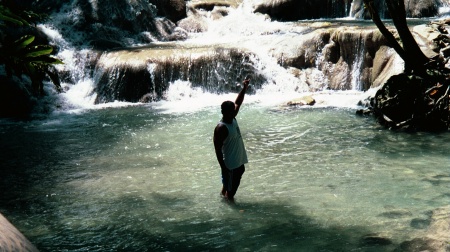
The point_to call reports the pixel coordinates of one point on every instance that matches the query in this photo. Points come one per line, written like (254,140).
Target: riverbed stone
(434,237)
(396,213)
(376,239)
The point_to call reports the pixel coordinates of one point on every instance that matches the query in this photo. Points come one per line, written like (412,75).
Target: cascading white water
(240,26)
(357,65)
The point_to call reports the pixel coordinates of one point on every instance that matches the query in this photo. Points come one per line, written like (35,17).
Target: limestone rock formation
(143,74)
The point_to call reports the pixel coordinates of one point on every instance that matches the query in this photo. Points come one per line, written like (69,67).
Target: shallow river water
(141,178)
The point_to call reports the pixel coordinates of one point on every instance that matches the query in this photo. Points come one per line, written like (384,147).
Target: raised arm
(240,97)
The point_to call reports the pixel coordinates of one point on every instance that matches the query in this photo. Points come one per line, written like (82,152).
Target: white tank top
(233,150)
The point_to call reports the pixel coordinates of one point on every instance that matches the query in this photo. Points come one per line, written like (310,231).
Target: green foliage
(9,16)
(21,56)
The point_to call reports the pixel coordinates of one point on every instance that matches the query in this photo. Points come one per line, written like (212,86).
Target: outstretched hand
(246,82)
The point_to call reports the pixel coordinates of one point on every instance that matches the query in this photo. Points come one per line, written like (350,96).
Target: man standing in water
(229,146)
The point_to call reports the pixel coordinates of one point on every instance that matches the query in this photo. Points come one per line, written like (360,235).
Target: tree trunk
(419,98)
(415,60)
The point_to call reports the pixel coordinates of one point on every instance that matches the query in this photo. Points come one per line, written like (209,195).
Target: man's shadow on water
(245,226)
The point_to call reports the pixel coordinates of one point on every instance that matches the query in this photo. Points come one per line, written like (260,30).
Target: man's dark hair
(227,106)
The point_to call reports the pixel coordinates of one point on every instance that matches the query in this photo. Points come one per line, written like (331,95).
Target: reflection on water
(136,179)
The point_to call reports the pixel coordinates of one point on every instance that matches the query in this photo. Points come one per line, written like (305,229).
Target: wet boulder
(110,24)
(174,10)
(422,8)
(386,63)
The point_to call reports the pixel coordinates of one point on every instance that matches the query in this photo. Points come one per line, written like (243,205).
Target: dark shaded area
(282,229)
(15,98)
(38,5)
(293,10)
(304,9)
(175,10)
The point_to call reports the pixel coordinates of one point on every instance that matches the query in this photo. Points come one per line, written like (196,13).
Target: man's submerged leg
(235,180)
(225,182)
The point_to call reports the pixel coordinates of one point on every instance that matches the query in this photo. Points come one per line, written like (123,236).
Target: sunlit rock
(302,101)
(386,64)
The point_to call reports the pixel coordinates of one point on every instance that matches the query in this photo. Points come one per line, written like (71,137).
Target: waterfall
(444,9)
(358,65)
(282,57)
(350,14)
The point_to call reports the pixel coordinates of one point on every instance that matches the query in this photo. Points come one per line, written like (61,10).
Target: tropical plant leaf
(39,50)
(21,56)
(7,15)
(23,42)
(10,19)
(46,60)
